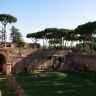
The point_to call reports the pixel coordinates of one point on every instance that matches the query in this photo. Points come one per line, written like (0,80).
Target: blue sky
(36,15)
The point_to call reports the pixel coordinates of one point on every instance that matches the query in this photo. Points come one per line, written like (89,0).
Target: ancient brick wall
(7,63)
(84,60)
(34,59)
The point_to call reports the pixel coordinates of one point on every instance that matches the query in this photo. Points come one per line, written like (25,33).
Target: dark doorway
(2,61)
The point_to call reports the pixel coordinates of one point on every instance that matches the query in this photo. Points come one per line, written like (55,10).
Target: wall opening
(2,61)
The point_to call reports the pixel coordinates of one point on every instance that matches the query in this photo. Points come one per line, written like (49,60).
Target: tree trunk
(5,35)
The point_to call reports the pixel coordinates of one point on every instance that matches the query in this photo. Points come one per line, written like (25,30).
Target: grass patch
(38,72)
(5,90)
(59,84)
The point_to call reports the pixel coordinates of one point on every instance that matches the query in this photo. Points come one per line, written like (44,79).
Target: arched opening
(2,61)
(60,59)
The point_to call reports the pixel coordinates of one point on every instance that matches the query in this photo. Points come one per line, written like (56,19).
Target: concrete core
(2,61)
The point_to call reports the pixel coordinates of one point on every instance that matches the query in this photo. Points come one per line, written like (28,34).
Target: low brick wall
(84,60)
(15,86)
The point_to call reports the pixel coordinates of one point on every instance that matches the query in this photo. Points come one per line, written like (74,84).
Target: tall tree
(15,36)
(87,32)
(5,19)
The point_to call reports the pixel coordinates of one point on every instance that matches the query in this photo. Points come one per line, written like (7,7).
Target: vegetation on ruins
(5,19)
(84,36)
(54,36)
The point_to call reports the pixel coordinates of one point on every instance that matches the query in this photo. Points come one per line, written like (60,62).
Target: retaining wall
(84,60)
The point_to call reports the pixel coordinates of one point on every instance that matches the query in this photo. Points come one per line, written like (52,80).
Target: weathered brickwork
(32,59)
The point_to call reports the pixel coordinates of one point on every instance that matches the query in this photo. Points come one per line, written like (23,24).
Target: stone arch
(60,59)
(2,62)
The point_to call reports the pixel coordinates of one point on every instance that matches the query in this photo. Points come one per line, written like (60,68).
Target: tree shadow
(73,84)
(4,88)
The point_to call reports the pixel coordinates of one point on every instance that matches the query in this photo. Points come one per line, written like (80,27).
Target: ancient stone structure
(5,63)
(30,60)
(83,62)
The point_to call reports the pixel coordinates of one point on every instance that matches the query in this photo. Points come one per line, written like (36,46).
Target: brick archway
(5,61)
(2,62)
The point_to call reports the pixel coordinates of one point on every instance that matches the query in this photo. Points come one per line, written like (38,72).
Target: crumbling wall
(84,60)
(36,59)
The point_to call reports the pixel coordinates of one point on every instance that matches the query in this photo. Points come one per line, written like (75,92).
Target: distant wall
(84,60)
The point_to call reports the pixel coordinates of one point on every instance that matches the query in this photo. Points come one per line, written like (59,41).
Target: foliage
(86,30)
(15,36)
(54,35)
(7,18)
(84,33)
(85,48)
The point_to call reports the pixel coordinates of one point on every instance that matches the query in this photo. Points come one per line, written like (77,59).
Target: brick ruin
(29,59)
(33,58)
(5,60)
